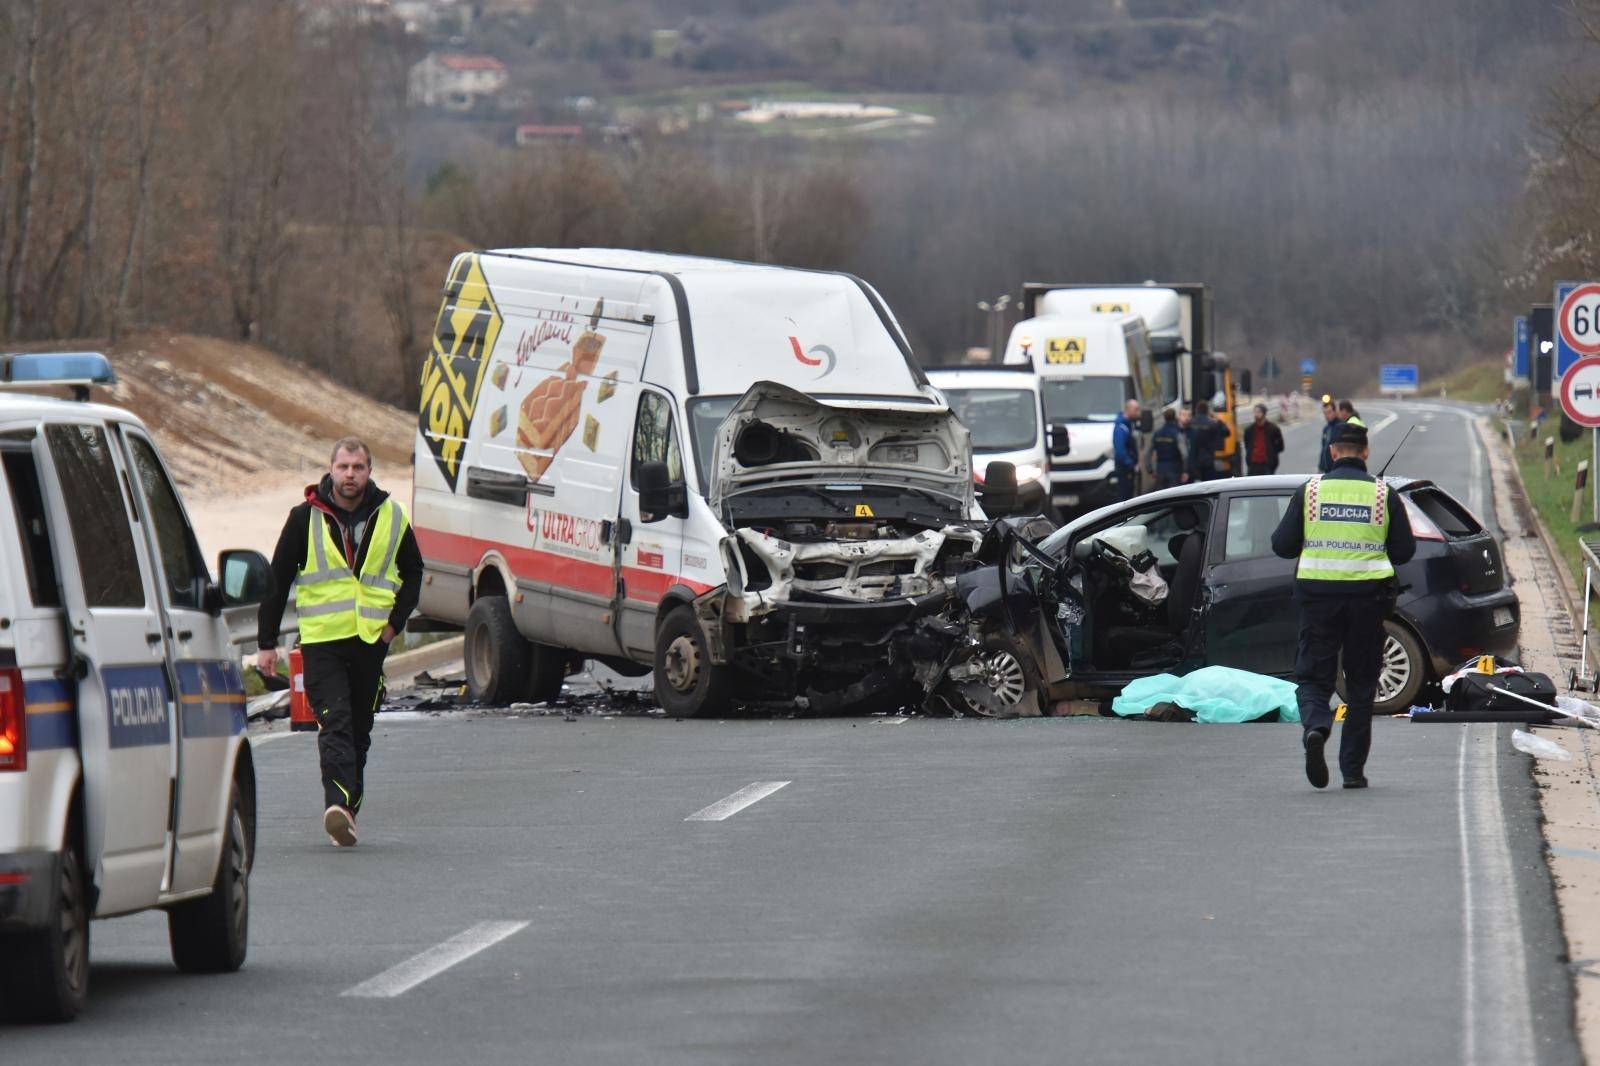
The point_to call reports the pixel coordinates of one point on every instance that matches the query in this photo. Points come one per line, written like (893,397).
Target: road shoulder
(1568,793)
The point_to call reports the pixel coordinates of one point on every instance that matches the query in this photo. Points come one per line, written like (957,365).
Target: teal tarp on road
(1215,694)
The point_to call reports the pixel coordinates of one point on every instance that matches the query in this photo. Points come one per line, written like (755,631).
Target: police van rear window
(38,562)
(99,517)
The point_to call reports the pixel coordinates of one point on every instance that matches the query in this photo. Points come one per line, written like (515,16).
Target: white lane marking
(273,738)
(894,720)
(1500,1028)
(732,805)
(1475,446)
(399,979)
(1383,424)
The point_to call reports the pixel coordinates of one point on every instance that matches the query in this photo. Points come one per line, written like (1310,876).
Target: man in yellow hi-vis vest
(1350,532)
(350,551)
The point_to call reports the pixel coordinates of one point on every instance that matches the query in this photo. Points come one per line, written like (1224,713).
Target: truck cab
(1003,409)
(125,779)
(1088,366)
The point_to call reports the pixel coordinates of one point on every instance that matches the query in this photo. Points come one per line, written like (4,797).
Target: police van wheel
(1402,670)
(688,683)
(211,934)
(497,655)
(46,976)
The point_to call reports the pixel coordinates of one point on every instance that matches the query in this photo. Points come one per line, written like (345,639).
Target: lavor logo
(1345,512)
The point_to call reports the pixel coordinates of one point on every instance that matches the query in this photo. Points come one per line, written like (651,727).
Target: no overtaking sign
(1580,392)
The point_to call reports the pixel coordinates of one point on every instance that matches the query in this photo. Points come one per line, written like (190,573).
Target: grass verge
(1551,496)
(1475,382)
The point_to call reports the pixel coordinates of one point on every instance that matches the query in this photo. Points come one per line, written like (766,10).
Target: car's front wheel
(1402,670)
(998,682)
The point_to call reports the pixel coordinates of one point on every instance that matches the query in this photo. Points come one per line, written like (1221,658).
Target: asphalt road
(928,891)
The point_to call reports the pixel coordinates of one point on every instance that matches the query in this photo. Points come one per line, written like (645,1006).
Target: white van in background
(1002,407)
(733,474)
(1088,367)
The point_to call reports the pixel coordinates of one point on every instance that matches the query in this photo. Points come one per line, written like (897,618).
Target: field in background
(1476,383)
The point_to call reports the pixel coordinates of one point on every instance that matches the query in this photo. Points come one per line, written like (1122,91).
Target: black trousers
(344,684)
(1127,480)
(1268,467)
(1328,625)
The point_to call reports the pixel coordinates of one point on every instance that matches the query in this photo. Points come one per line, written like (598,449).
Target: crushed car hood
(879,442)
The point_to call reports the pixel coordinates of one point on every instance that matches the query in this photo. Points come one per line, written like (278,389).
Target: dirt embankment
(244,430)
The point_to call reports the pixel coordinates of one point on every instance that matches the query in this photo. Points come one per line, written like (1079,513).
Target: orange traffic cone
(300,716)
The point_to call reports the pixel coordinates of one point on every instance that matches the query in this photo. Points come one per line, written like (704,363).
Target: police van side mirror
(246,577)
(659,497)
(1058,439)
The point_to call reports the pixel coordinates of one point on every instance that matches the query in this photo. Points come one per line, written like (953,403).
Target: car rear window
(1452,519)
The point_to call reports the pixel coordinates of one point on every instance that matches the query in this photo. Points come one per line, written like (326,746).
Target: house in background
(532,133)
(450,81)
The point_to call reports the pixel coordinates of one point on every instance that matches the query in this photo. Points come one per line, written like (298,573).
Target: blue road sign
(1308,366)
(1522,367)
(1397,377)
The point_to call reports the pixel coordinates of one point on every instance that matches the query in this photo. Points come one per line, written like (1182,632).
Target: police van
(735,475)
(126,782)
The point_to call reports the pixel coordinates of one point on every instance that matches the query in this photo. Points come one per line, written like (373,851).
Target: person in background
(1330,413)
(1263,443)
(1347,414)
(1206,435)
(1169,452)
(1125,450)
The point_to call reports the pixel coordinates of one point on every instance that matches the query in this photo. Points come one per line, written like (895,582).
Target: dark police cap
(1349,433)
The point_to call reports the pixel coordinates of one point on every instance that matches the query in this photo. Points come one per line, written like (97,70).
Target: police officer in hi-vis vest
(1350,532)
(350,550)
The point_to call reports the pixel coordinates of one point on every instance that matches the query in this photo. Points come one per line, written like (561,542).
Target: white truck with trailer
(1088,366)
(735,475)
(126,782)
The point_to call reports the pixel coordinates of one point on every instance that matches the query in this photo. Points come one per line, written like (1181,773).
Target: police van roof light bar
(40,370)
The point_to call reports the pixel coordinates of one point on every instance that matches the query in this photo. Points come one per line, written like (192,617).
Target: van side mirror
(1147,421)
(246,577)
(1165,345)
(659,496)
(999,489)
(1058,439)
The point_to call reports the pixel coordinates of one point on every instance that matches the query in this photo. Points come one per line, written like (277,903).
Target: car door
(210,693)
(1251,621)
(124,699)
(649,553)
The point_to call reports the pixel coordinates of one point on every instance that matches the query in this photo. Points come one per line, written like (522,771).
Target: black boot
(1316,765)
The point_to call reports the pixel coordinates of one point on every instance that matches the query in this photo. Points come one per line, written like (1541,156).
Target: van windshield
(1000,420)
(1084,399)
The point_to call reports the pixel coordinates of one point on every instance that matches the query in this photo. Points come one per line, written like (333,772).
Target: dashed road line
(273,738)
(897,719)
(732,805)
(397,980)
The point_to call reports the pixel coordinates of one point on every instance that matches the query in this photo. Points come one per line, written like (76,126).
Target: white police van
(125,779)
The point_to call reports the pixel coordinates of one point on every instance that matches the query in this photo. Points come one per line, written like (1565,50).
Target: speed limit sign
(1577,322)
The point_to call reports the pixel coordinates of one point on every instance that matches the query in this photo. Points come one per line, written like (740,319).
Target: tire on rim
(688,684)
(1011,689)
(497,656)
(547,668)
(46,974)
(1402,670)
(212,934)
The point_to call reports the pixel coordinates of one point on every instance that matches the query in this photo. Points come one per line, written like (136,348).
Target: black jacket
(1274,441)
(290,555)
(1290,536)
(1206,435)
(1324,457)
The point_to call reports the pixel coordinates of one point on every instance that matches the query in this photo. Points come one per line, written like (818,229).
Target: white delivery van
(1088,367)
(1003,408)
(733,474)
(125,779)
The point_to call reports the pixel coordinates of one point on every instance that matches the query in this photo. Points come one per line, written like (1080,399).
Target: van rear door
(124,701)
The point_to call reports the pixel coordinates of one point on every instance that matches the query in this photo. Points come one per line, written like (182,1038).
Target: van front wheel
(688,683)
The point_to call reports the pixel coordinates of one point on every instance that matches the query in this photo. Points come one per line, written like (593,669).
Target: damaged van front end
(847,523)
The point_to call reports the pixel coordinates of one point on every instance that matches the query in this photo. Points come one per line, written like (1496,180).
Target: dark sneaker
(1316,765)
(1355,782)
(341,826)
